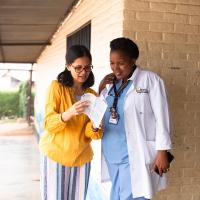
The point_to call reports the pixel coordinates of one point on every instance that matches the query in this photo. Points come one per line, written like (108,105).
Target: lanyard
(113,109)
(117,93)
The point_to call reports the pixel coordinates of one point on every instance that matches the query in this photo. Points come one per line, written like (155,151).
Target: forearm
(53,123)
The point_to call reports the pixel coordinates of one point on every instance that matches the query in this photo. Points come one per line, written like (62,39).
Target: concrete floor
(19,168)
(19,165)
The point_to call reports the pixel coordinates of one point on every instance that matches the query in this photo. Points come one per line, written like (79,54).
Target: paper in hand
(95,111)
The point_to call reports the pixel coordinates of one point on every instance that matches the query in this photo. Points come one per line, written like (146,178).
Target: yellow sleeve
(52,121)
(91,134)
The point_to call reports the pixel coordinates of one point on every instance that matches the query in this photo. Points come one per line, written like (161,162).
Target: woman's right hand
(108,79)
(79,107)
(76,109)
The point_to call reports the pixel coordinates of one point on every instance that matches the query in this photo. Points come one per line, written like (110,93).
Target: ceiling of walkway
(26,27)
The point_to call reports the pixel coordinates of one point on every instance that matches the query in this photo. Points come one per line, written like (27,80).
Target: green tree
(9,104)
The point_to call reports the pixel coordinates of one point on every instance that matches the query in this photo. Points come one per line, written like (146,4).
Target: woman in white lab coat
(136,126)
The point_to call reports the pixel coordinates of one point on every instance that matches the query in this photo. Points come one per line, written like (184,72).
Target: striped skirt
(63,183)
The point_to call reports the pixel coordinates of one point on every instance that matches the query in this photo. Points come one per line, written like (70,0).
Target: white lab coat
(147,127)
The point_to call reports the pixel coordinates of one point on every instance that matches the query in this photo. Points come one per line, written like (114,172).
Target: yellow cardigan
(67,143)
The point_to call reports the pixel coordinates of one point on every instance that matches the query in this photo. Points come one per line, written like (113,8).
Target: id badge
(113,120)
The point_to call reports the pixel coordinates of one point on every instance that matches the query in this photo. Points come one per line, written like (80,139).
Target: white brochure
(95,111)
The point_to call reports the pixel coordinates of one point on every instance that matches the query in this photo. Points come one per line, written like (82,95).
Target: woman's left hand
(108,79)
(95,129)
(161,163)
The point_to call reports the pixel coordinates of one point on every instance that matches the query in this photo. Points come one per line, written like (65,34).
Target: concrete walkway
(19,165)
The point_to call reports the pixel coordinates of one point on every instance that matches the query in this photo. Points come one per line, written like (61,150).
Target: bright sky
(21,71)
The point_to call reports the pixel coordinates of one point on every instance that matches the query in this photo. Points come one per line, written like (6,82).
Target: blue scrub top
(114,144)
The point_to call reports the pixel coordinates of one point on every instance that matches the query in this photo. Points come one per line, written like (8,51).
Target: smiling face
(121,64)
(74,68)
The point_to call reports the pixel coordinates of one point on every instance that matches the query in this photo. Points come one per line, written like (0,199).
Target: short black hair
(74,52)
(126,45)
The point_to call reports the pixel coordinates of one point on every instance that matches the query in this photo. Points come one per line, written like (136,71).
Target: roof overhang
(27,26)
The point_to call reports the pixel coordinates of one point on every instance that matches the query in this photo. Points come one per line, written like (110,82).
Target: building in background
(8,81)
(168,36)
(13,74)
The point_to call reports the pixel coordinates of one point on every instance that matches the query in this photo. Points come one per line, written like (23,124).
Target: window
(80,36)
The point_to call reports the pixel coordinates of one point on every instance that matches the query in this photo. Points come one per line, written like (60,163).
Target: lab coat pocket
(142,102)
(150,152)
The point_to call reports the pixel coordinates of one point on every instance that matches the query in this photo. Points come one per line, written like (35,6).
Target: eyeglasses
(80,68)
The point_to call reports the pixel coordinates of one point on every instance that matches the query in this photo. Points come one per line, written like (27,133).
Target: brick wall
(168,35)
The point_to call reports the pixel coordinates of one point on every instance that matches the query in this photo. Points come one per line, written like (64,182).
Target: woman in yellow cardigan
(68,132)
